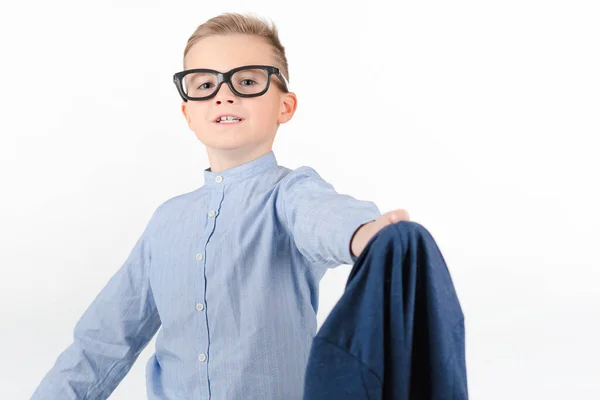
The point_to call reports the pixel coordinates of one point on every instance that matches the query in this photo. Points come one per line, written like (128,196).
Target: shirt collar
(240,172)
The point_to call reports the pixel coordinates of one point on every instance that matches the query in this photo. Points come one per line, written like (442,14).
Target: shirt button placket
(200,306)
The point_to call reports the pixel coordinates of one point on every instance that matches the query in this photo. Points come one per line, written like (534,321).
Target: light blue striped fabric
(229,273)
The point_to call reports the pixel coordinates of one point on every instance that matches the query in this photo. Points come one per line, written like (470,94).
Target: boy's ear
(289,104)
(184,111)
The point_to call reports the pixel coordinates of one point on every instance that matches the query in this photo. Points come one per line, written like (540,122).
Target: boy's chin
(231,135)
(227,139)
(226,143)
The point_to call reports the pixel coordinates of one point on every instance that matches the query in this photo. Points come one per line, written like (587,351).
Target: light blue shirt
(230,274)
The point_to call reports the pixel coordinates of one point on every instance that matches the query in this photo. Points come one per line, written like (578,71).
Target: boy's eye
(247,82)
(205,85)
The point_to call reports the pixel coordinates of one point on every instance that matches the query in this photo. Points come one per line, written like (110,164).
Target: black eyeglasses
(246,81)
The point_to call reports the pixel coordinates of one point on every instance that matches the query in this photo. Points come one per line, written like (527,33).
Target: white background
(479,118)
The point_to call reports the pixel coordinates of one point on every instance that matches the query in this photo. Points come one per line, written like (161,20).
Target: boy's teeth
(228,118)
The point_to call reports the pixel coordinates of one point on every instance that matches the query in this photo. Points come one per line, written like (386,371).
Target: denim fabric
(397,333)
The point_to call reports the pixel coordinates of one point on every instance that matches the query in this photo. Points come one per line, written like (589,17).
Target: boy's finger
(398,215)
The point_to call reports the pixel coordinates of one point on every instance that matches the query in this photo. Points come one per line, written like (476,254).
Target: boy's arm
(322,221)
(109,336)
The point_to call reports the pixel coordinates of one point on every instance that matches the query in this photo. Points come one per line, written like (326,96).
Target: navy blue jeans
(398,330)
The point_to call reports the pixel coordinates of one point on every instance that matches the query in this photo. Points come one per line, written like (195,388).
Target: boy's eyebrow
(210,69)
(224,71)
(201,73)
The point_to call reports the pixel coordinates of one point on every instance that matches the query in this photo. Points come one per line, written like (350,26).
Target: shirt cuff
(354,222)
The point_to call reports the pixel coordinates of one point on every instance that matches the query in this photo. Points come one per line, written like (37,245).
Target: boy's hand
(366,231)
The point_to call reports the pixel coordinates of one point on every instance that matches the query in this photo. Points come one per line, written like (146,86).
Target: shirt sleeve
(110,334)
(322,221)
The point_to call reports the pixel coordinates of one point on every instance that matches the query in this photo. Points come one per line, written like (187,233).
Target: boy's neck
(221,160)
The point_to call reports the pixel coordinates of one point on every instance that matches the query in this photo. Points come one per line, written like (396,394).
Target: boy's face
(261,116)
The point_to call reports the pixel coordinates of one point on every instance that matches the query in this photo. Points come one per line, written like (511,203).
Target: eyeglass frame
(225,77)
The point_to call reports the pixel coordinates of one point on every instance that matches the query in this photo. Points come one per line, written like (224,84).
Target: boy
(230,270)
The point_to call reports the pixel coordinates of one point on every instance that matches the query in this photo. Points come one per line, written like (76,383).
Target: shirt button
(212,213)
(199,306)
(202,357)
(199,256)
(219,179)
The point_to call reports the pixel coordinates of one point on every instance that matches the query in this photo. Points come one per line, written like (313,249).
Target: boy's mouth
(228,119)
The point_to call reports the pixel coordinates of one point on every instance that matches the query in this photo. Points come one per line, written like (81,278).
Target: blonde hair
(247,24)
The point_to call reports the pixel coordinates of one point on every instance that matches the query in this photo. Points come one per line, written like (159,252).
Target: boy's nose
(224,94)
